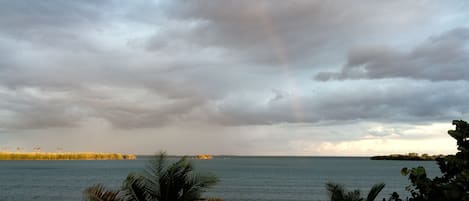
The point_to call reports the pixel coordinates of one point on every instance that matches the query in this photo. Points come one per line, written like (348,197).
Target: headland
(408,157)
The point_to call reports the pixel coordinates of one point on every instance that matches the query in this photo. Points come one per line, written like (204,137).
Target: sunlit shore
(65,156)
(204,157)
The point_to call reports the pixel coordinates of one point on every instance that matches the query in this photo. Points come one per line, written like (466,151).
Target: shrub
(453,185)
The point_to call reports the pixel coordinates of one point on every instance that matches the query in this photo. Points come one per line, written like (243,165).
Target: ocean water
(241,178)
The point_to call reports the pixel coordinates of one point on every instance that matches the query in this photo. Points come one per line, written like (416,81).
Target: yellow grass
(64,156)
(204,157)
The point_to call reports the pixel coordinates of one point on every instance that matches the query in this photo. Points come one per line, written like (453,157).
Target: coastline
(65,156)
(408,157)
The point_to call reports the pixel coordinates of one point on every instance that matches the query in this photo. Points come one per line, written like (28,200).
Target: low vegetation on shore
(64,156)
(408,157)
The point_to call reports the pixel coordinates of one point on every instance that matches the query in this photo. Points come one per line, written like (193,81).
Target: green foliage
(453,185)
(162,181)
(394,197)
(98,192)
(337,192)
(375,190)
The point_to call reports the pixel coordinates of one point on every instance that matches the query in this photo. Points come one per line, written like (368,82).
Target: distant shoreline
(65,156)
(260,156)
(408,157)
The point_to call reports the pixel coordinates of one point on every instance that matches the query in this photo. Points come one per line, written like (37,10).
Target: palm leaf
(160,181)
(375,190)
(157,165)
(172,181)
(134,188)
(336,191)
(353,196)
(196,184)
(98,192)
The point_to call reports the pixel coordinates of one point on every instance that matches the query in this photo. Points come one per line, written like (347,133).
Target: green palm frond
(174,179)
(157,165)
(353,196)
(160,181)
(135,187)
(98,192)
(196,184)
(336,191)
(375,190)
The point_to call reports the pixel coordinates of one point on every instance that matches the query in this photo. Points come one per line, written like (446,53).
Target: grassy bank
(64,156)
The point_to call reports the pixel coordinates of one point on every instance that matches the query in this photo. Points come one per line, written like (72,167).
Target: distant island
(65,156)
(204,157)
(409,156)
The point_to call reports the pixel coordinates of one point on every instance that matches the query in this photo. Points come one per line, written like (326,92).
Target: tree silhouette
(453,185)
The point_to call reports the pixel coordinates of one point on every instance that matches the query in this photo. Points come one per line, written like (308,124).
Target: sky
(243,77)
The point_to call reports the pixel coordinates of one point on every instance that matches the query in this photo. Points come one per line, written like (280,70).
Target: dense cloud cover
(440,58)
(258,77)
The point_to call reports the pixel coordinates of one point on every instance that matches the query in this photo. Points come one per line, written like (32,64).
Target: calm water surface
(242,178)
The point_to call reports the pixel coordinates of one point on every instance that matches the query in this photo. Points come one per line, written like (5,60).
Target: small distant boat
(204,157)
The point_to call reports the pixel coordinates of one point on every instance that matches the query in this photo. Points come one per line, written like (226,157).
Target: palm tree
(160,181)
(337,192)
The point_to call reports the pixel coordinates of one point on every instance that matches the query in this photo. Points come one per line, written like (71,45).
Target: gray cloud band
(441,58)
(229,65)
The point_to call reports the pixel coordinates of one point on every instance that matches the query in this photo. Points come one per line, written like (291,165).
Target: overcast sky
(233,77)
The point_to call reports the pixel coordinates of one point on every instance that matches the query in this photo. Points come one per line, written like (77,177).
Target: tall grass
(64,156)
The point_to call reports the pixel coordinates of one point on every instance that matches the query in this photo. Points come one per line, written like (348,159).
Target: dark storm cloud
(444,57)
(149,65)
(133,118)
(275,32)
(30,108)
(51,23)
(21,111)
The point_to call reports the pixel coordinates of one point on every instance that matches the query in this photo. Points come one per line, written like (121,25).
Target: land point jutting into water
(409,156)
(65,156)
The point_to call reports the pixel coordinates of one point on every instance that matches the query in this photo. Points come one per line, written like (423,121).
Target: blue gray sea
(241,178)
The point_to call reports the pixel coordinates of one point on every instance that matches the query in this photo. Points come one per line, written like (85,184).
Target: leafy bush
(453,185)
